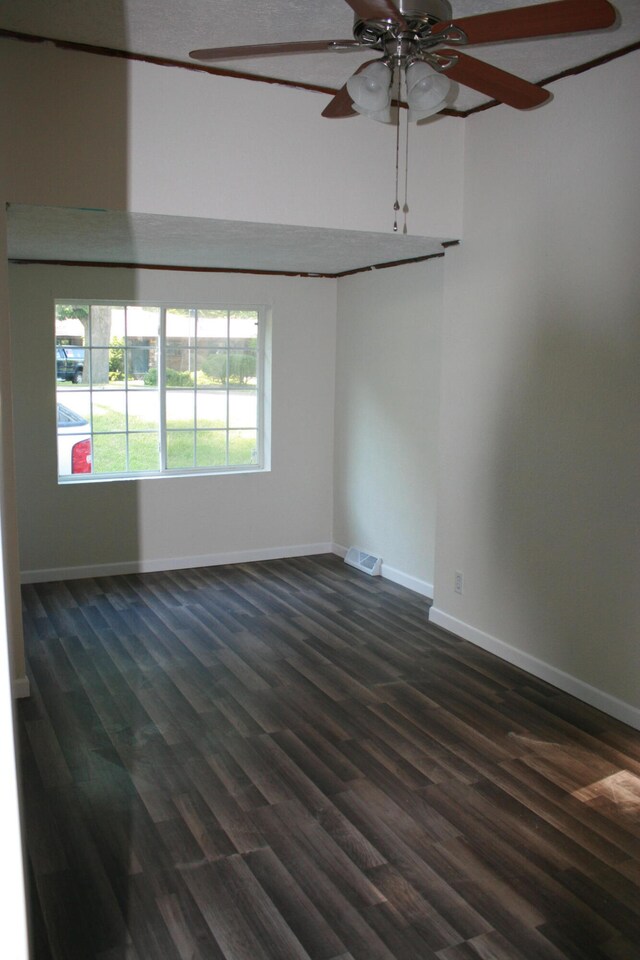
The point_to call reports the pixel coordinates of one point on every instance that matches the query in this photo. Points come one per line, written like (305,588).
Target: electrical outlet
(459,582)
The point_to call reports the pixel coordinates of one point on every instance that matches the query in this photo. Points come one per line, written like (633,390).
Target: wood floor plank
(181,929)
(330,900)
(402,938)
(622,835)
(244,913)
(286,761)
(414,865)
(415,909)
(304,919)
(584,834)
(516,894)
(325,751)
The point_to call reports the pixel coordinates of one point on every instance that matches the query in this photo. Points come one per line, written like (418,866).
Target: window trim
(263,388)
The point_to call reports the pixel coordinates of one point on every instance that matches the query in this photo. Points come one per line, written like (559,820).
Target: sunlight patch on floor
(621,788)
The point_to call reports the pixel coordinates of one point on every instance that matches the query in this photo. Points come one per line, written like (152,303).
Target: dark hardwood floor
(284,761)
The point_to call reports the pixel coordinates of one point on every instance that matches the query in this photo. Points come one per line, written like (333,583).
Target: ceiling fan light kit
(421,45)
(382,116)
(427,90)
(370,90)
(413,31)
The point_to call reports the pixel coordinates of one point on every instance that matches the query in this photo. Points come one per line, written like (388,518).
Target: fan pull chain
(405,208)
(396,205)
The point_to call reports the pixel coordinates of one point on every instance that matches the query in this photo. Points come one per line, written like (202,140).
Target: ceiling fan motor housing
(420,16)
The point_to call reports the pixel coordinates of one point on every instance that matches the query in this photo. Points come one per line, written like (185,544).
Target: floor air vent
(363,561)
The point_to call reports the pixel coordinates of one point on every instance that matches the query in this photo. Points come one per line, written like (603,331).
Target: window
(147,390)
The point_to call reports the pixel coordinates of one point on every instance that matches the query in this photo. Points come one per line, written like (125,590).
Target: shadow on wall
(75,137)
(568,498)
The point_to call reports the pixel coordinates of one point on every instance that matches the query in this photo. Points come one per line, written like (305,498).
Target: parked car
(70,363)
(74,443)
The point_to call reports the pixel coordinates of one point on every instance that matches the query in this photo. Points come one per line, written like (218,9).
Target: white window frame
(263,393)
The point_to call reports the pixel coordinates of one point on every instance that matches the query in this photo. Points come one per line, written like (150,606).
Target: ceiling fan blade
(540,20)
(488,79)
(377,10)
(272,49)
(341,104)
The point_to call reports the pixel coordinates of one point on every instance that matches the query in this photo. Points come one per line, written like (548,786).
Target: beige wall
(387,385)
(11,619)
(81,130)
(160,523)
(538,499)
(91,131)
(12,908)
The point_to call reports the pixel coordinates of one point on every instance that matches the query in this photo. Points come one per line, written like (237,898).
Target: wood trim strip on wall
(295,84)
(249,270)
(161,61)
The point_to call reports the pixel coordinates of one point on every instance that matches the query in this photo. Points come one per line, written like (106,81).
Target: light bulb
(370,90)
(426,90)
(382,116)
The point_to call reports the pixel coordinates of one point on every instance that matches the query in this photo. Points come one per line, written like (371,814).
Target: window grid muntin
(257,349)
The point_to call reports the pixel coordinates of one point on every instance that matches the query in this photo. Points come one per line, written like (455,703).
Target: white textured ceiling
(171,28)
(69,234)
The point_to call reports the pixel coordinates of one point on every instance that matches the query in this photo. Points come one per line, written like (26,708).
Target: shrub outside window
(148,390)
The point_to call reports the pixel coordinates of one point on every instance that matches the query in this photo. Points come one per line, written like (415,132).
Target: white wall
(171,521)
(12,907)
(241,150)
(387,383)
(84,130)
(538,499)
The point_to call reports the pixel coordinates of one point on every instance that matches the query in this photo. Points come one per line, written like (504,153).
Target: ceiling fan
(420,38)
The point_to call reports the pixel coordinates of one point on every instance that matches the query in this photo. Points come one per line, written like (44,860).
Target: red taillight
(81,457)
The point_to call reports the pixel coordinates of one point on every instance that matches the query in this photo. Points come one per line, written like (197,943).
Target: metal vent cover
(364,561)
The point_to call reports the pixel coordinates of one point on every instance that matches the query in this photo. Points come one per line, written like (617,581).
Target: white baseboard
(406,580)
(539,668)
(173,563)
(422,587)
(20,687)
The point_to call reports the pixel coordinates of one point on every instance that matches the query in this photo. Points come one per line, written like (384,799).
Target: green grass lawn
(186,448)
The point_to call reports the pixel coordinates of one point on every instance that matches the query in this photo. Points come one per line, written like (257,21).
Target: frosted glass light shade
(382,116)
(415,115)
(370,90)
(426,90)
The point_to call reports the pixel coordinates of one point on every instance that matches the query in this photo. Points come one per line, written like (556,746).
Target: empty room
(320,548)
